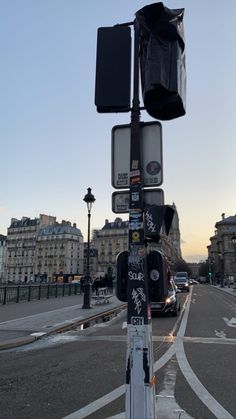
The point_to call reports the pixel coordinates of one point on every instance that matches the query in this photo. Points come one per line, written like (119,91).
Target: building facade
(3,243)
(110,241)
(222,250)
(39,248)
(59,252)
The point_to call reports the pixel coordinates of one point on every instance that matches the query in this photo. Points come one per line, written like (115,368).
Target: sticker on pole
(151,155)
(120,199)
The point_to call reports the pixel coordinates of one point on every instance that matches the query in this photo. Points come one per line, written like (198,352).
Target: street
(83,371)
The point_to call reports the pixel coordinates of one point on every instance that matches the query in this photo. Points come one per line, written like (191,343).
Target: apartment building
(3,242)
(41,249)
(222,250)
(21,247)
(59,252)
(109,241)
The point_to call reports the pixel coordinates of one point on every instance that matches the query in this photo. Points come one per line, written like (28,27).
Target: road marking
(97,404)
(220,334)
(230,323)
(191,377)
(166,405)
(178,348)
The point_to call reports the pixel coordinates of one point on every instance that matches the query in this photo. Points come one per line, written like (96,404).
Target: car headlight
(186,284)
(170,299)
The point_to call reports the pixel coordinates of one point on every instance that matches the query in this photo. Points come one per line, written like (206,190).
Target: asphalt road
(83,371)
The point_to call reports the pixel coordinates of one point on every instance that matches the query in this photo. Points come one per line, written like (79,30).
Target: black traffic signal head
(155,218)
(113,69)
(162,60)
(122,276)
(158,276)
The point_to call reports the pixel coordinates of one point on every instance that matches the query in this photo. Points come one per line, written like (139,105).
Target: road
(83,371)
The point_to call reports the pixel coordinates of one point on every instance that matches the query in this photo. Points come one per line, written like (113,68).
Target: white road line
(185,367)
(97,404)
(190,376)
(108,398)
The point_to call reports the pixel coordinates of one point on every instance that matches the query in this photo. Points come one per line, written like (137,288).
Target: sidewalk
(228,290)
(25,322)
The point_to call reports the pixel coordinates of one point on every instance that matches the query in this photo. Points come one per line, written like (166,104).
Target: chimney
(223,216)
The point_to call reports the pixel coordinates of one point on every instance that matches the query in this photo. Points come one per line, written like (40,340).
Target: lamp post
(221,269)
(89,199)
(211,274)
(233,239)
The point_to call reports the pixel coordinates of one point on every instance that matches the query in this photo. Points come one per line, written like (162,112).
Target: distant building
(21,247)
(3,242)
(59,252)
(39,248)
(222,250)
(109,241)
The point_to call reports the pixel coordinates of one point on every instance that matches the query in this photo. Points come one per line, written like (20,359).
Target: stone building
(40,249)
(222,250)
(109,241)
(59,252)
(21,247)
(3,242)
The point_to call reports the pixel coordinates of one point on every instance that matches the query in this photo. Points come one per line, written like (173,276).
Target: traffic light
(113,69)
(155,218)
(158,276)
(162,60)
(122,276)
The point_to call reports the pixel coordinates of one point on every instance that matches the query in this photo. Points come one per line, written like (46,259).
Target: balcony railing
(16,293)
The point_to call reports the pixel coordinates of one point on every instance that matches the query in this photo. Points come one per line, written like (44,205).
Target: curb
(233,293)
(14,343)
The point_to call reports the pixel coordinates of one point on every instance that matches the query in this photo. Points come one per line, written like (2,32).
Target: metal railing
(16,293)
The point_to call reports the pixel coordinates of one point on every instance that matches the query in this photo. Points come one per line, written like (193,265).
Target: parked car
(182,281)
(171,305)
(202,280)
(193,281)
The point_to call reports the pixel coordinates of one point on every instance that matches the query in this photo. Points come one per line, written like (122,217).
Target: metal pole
(234,286)
(87,285)
(140,382)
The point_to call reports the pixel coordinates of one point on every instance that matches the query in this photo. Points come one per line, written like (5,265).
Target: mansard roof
(118,223)
(24,222)
(59,229)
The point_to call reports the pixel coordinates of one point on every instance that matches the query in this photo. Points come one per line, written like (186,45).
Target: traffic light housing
(122,276)
(157,217)
(157,272)
(162,61)
(158,276)
(113,69)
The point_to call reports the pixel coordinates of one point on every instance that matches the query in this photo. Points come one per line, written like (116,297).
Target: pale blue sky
(54,145)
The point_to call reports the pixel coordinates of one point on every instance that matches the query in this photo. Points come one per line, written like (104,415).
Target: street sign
(151,155)
(120,200)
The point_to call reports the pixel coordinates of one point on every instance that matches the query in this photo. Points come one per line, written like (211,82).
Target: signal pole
(140,380)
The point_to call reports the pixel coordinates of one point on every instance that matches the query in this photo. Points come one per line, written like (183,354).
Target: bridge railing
(16,293)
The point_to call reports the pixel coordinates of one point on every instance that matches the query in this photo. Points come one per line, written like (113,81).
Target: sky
(54,144)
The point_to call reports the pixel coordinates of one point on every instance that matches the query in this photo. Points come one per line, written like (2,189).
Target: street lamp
(233,239)
(221,269)
(89,199)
